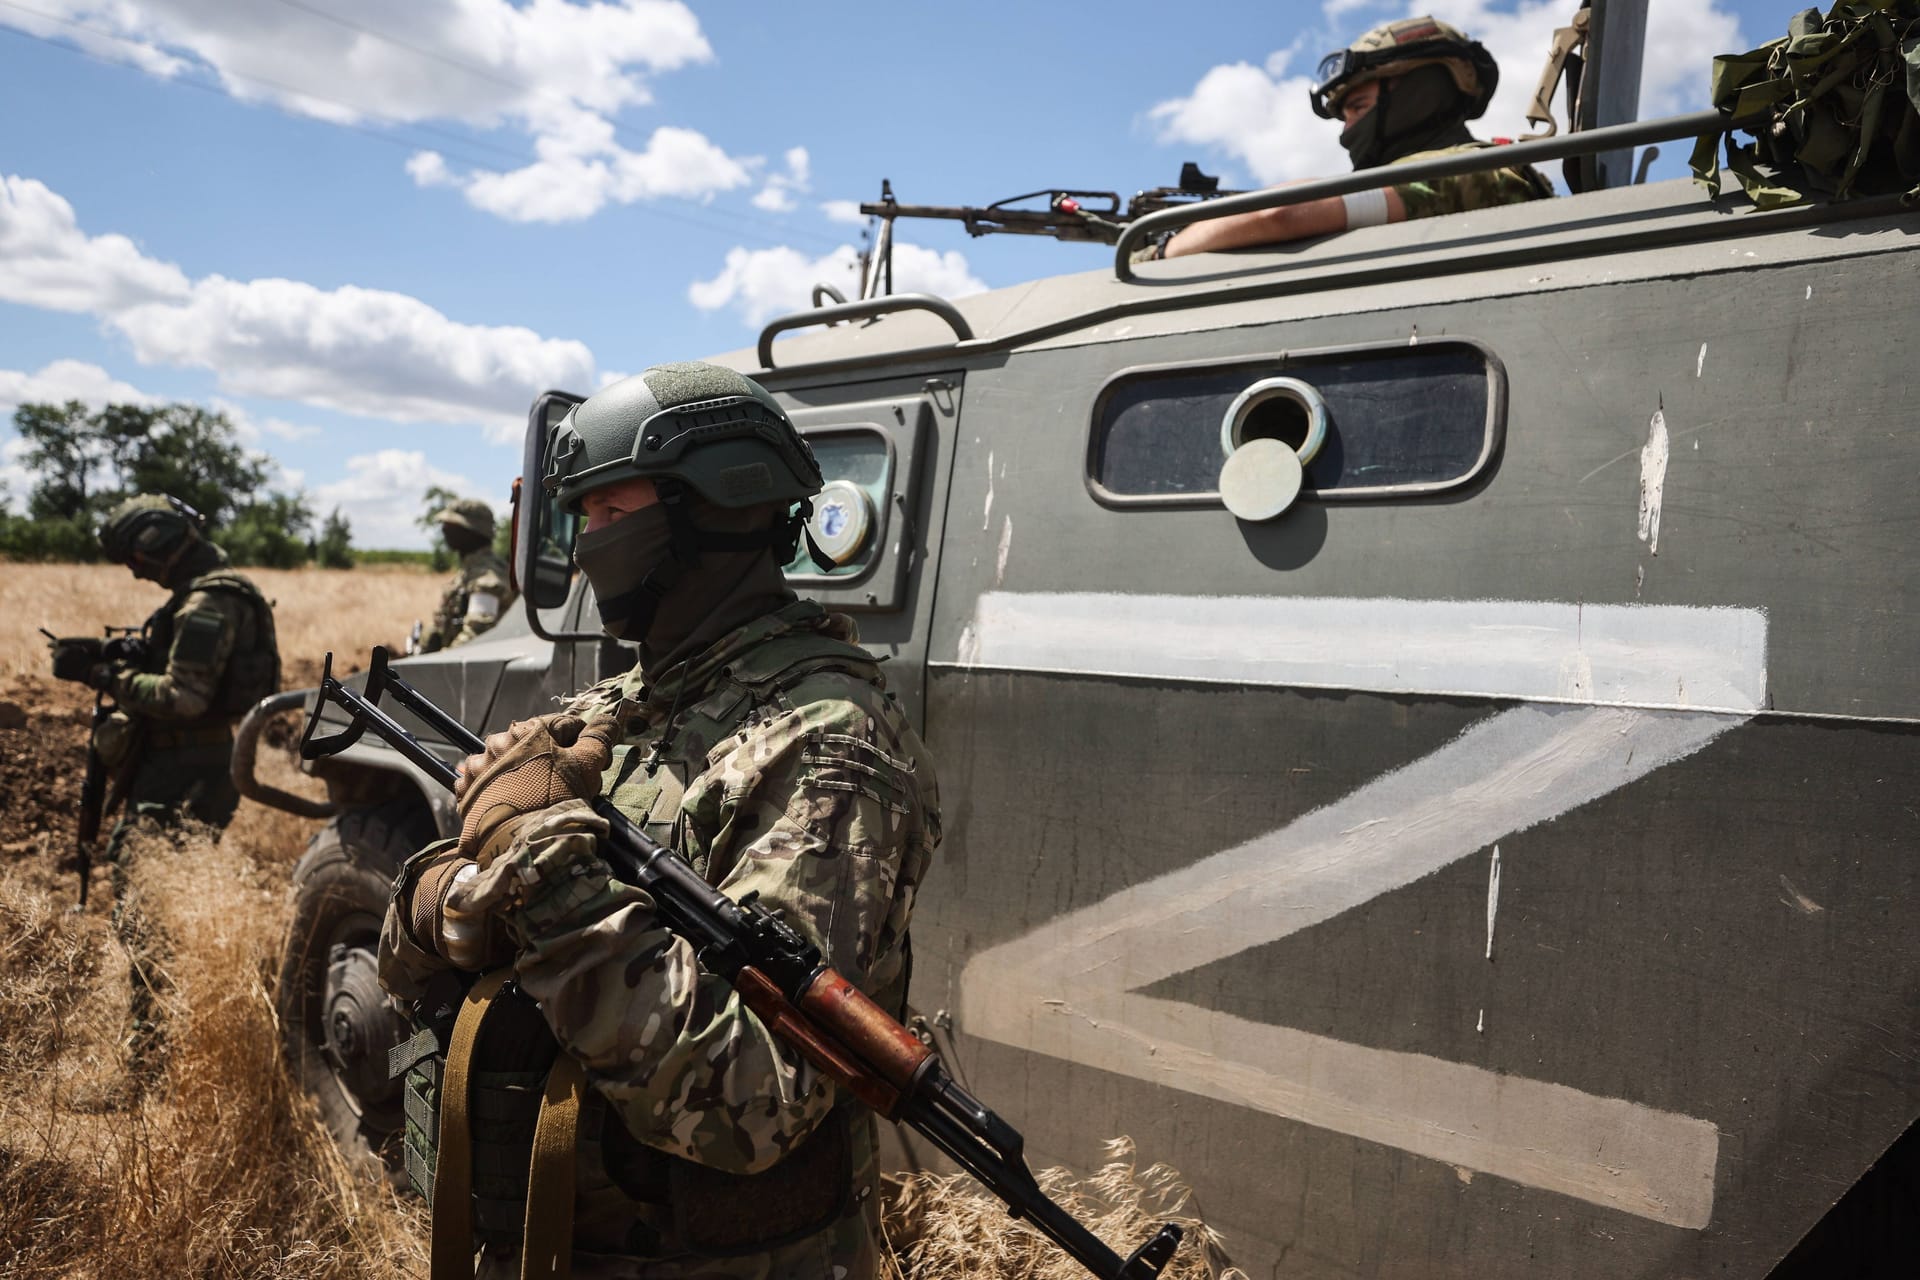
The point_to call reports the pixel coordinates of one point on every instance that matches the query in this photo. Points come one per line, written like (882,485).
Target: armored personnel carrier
(1497,860)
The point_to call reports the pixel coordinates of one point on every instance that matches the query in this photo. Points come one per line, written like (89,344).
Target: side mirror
(542,533)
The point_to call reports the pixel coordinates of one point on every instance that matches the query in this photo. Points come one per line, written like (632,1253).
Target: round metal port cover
(842,520)
(1261,479)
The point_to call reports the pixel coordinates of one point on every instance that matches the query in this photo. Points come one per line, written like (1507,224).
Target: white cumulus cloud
(64,380)
(555,73)
(778,195)
(844,211)
(365,351)
(1259,116)
(47,261)
(381,493)
(762,283)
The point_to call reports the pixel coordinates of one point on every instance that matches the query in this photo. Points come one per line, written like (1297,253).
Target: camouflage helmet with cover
(471,514)
(150,532)
(1396,48)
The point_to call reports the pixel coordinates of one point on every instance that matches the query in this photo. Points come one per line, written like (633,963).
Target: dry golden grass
(219,1168)
(349,610)
(222,1168)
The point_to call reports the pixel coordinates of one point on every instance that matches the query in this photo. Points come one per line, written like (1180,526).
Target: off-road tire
(335,1036)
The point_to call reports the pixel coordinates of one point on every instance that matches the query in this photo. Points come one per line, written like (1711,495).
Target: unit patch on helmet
(746,481)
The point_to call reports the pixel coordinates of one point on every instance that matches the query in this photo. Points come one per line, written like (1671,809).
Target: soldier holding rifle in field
(755,738)
(482,592)
(200,662)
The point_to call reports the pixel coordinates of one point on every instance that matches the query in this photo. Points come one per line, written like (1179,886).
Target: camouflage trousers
(166,787)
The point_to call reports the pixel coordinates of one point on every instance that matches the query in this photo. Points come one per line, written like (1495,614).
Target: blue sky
(371,231)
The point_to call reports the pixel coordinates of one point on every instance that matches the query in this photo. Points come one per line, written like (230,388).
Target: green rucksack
(1834,107)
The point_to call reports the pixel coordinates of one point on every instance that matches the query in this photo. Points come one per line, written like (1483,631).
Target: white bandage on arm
(483,606)
(1366,208)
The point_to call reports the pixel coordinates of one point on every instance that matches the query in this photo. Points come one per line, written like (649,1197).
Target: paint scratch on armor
(1006,546)
(986,517)
(1481,1025)
(1493,900)
(1653,479)
(969,646)
(1700,365)
(1510,772)
(1798,900)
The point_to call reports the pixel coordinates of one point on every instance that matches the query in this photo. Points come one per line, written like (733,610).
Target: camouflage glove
(549,878)
(435,923)
(532,765)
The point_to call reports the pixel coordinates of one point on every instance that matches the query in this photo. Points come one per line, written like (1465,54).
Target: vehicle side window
(1401,420)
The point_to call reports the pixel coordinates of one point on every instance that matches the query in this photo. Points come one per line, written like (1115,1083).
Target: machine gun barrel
(782,979)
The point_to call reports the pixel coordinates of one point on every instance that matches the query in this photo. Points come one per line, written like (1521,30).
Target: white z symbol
(1070,989)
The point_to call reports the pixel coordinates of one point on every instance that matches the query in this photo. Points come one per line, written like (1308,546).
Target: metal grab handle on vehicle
(246,746)
(864,309)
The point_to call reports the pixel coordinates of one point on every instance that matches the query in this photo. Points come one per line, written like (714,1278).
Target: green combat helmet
(1396,48)
(714,431)
(703,435)
(471,514)
(149,533)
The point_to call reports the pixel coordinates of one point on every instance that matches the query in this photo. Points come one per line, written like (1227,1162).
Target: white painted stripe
(1066,989)
(1628,655)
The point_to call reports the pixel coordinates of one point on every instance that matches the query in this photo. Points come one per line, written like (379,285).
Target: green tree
(85,461)
(335,548)
(271,531)
(437,499)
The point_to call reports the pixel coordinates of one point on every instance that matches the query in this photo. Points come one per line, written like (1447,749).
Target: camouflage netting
(1834,107)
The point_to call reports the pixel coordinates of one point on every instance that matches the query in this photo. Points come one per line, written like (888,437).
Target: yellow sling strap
(451,1257)
(547,1247)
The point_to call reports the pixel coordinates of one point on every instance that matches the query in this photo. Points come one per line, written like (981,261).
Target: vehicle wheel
(335,1022)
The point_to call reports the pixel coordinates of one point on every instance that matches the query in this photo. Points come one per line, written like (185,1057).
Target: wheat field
(314,609)
(222,1168)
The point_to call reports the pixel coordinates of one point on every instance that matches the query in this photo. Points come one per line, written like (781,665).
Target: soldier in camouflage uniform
(210,653)
(1405,91)
(482,592)
(757,739)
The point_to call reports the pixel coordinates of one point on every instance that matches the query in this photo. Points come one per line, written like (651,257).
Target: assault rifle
(780,976)
(73,658)
(1066,215)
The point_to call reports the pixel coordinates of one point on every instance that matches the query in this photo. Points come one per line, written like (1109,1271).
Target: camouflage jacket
(1484,190)
(211,652)
(776,764)
(475,600)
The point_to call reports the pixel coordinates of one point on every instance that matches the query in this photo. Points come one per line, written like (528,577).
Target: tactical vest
(252,671)
(618,1195)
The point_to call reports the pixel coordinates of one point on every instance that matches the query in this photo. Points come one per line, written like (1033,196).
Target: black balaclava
(722,590)
(1422,110)
(463,541)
